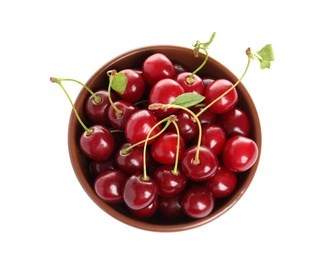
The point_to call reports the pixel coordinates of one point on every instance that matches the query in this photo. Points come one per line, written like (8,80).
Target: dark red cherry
(234,122)
(215,90)
(148,211)
(170,208)
(139,125)
(99,145)
(195,84)
(109,185)
(223,183)
(206,117)
(179,67)
(199,171)
(126,109)
(169,184)
(164,148)
(139,193)
(197,202)
(156,67)
(97,167)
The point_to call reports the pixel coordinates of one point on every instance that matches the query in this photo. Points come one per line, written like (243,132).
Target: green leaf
(188,99)
(267,53)
(206,44)
(119,82)
(264,64)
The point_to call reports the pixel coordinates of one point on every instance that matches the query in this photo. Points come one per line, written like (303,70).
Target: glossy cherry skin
(164,148)
(97,167)
(206,117)
(199,171)
(99,145)
(165,91)
(215,90)
(156,67)
(148,211)
(214,137)
(234,122)
(109,185)
(240,153)
(223,183)
(97,112)
(139,193)
(132,161)
(139,125)
(188,128)
(170,208)
(135,86)
(197,202)
(118,121)
(196,86)
(169,183)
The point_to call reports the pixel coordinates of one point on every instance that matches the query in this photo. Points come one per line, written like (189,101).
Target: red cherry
(223,183)
(163,149)
(165,91)
(240,153)
(139,193)
(139,125)
(109,185)
(170,208)
(97,167)
(215,90)
(234,122)
(169,183)
(99,145)
(196,86)
(214,137)
(148,211)
(206,117)
(126,108)
(135,86)
(197,202)
(203,170)
(156,67)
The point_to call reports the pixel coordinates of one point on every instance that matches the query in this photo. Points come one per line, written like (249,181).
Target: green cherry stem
(168,120)
(175,170)
(111,74)
(155,106)
(230,89)
(58,81)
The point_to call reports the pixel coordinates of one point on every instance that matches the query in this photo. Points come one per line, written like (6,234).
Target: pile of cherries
(165,141)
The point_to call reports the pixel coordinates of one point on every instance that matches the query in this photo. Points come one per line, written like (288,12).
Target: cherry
(165,91)
(97,167)
(207,81)
(96,109)
(179,67)
(190,82)
(98,144)
(217,89)
(163,149)
(214,137)
(234,122)
(240,153)
(135,86)
(109,185)
(200,170)
(170,208)
(148,211)
(130,160)
(118,118)
(197,202)
(156,67)
(206,117)
(170,184)
(223,183)
(139,193)
(141,121)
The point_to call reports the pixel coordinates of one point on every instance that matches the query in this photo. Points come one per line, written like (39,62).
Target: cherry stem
(155,106)
(111,74)
(168,120)
(175,170)
(228,90)
(58,81)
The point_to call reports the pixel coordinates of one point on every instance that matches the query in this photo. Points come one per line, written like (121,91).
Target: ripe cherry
(97,167)
(206,117)
(197,202)
(156,67)
(214,137)
(109,185)
(223,183)
(170,208)
(217,89)
(148,211)
(190,82)
(139,193)
(163,149)
(240,153)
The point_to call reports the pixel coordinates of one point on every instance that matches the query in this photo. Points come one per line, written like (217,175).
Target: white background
(45,213)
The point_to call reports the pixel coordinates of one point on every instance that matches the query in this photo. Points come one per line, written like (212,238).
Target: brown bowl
(134,59)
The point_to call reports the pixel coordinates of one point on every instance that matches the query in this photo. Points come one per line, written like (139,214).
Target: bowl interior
(134,59)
